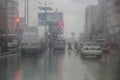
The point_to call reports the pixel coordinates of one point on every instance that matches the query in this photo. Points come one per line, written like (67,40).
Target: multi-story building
(91,21)
(3,16)
(113,20)
(12,15)
(102,19)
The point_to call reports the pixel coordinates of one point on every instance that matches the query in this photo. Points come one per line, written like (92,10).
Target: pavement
(61,66)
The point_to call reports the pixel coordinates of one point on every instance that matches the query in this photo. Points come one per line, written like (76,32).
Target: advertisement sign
(54,17)
(45,8)
(41,19)
(50,18)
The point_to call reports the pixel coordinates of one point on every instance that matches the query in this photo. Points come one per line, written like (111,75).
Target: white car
(91,49)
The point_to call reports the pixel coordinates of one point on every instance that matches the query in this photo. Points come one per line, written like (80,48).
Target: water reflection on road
(60,66)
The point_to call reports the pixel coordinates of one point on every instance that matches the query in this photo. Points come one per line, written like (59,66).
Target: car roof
(91,43)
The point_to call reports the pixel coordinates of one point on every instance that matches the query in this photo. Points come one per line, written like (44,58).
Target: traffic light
(17,22)
(61,24)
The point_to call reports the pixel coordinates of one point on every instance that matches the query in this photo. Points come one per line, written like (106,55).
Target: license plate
(92,48)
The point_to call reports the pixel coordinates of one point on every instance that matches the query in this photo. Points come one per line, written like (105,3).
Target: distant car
(59,45)
(79,47)
(91,49)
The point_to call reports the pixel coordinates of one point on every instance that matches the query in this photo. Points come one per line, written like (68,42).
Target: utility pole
(45,21)
(27,12)
(45,11)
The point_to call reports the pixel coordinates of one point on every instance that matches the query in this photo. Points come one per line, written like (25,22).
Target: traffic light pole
(27,12)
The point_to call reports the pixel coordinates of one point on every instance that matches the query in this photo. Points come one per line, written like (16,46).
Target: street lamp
(26,10)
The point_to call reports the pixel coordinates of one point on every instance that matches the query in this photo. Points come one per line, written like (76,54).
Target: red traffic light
(17,20)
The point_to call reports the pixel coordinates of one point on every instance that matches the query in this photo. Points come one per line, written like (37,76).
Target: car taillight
(85,48)
(99,49)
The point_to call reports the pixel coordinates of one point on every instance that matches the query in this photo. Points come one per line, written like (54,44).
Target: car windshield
(59,39)
(91,44)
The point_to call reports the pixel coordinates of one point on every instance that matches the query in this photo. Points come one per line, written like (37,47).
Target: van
(30,43)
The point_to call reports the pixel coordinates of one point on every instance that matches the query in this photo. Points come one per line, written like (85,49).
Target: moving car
(91,49)
(12,41)
(59,44)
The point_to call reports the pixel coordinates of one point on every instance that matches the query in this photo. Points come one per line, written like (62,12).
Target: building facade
(91,21)
(12,15)
(113,20)
(102,29)
(3,16)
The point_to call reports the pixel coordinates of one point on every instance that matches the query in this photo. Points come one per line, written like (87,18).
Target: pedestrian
(50,45)
(69,46)
(75,45)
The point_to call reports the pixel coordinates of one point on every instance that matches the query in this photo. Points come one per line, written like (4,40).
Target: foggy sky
(74,13)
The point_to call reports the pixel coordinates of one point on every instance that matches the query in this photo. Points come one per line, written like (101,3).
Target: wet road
(60,66)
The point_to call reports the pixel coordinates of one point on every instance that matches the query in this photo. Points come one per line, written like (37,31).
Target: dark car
(59,45)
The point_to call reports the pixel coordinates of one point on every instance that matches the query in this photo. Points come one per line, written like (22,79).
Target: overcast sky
(74,13)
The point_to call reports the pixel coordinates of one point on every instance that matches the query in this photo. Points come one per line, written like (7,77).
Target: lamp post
(45,9)
(26,12)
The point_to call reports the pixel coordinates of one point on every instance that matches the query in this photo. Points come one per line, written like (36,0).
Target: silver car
(91,49)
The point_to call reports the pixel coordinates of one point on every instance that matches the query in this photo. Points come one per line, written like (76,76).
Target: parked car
(91,49)
(12,41)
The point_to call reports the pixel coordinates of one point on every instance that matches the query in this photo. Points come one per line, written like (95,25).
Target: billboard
(45,8)
(50,18)
(41,19)
(54,18)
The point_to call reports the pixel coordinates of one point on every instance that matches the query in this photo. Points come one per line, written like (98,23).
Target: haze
(74,13)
